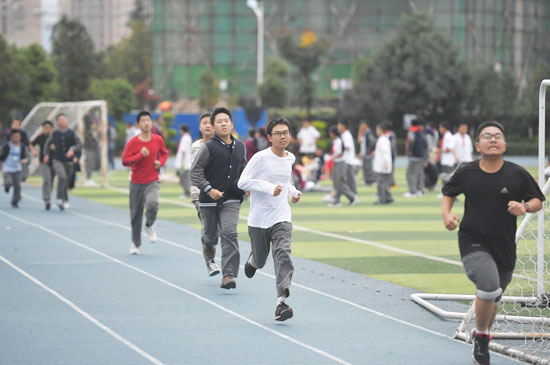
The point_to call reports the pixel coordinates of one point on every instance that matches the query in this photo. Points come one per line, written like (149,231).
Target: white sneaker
(60,204)
(439,196)
(134,250)
(328,198)
(335,205)
(213,268)
(66,205)
(354,201)
(151,234)
(420,194)
(409,195)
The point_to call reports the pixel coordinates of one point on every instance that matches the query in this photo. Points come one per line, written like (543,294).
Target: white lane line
(81,312)
(323,233)
(177,287)
(319,292)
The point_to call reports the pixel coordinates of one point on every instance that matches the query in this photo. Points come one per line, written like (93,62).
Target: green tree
(118,93)
(13,80)
(208,90)
(306,56)
(528,115)
(273,91)
(40,72)
(132,58)
(73,55)
(417,71)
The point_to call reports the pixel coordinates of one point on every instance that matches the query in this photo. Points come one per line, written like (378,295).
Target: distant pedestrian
(13,156)
(308,136)
(463,145)
(339,171)
(183,159)
(382,164)
(367,141)
(46,169)
(417,151)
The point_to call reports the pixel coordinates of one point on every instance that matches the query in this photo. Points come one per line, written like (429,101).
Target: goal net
(522,326)
(89,120)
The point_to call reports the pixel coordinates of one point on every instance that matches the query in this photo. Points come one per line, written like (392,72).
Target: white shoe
(420,194)
(439,196)
(66,205)
(134,250)
(60,204)
(213,268)
(410,195)
(328,198)
(151,234)
(335,205)
(354,201)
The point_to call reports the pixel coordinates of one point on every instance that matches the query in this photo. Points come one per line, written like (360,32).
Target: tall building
(24,22)
(190,36)
(105,20)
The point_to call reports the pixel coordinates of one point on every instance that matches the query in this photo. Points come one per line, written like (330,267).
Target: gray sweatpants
(350,178)
(368,175)
(143,196)
(63,171)
(46,173)
(185,181)
(221,222)
(14,179)
(415,176)
(279,237)
(340,183)
(383,185)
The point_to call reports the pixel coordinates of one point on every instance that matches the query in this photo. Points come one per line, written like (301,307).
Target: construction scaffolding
(191,36)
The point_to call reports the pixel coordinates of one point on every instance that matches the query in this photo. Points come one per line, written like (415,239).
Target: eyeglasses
(281,134)
(489,136)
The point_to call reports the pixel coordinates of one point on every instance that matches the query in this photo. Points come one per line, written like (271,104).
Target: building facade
(191,36)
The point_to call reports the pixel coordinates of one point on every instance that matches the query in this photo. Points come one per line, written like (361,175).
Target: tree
(418,71)
(40,72)
(273,91)
(528,118)
(118,93)
(306,56)
(208,90)
(132,57)
(73,55)
(12,79)
(139,11)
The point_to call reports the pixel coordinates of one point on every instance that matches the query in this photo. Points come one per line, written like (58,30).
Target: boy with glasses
(267,177)
(496,192)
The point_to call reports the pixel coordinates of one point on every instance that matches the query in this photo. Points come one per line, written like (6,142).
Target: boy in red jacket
(145,154)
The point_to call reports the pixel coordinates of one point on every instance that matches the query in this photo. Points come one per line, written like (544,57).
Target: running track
(71,294)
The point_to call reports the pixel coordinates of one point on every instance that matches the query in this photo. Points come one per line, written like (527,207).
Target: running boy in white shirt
(267,177)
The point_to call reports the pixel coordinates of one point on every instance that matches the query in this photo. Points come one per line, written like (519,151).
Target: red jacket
(143,169)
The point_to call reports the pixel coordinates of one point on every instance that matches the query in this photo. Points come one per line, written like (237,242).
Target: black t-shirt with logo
(486,224)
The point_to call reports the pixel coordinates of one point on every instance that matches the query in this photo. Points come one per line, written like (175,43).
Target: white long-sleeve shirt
(382,156)
(183,156)
(262,174)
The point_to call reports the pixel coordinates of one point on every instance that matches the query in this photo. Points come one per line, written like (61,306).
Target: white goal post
(94,112)
(522,327)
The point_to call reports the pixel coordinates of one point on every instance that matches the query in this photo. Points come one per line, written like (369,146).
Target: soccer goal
(522,327)
(88,119)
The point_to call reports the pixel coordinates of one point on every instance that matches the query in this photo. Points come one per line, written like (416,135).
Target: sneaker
(420,194)
(328,198)
(48,205)
(66,205)
(335,205)
(213,268)
(228,282)
(60,204)
(15,205)
(480,351)
(354,201)
(283,312)
(7,188)
(151,234)
(249,270)
(134,250)
(409,195)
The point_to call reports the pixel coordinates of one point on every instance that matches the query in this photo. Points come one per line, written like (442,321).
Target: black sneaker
(15,205)
(283,312)
(480,352)
(249,270)
(7,188)
(48,205)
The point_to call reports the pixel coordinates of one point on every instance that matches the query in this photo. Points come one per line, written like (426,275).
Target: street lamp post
(259,12)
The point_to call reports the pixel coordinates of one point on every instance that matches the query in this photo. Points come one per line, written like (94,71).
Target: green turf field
(413,225)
